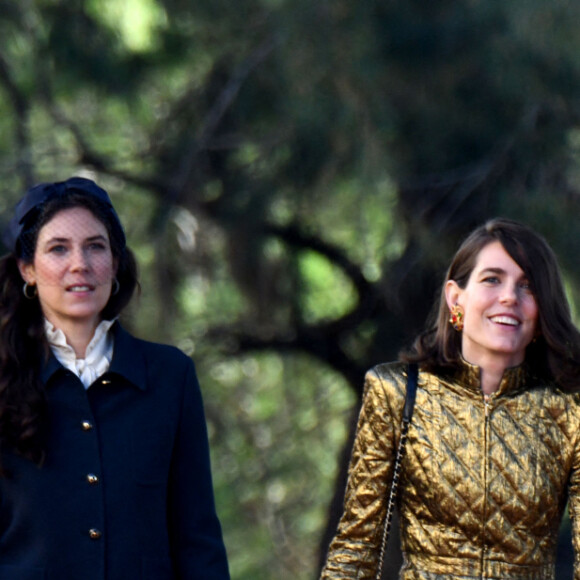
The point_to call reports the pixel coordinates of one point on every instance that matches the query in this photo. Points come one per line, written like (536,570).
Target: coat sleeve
(354,551)
(195,533)
(574,493)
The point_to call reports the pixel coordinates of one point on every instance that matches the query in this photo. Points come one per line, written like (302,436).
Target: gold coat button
(87,425)
(92,479)
(94,534)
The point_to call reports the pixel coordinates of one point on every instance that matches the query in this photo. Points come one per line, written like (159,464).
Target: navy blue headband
(36,196)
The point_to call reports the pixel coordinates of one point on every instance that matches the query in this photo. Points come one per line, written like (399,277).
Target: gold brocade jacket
(483,484)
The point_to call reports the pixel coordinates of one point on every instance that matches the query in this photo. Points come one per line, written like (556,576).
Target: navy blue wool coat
(125,492)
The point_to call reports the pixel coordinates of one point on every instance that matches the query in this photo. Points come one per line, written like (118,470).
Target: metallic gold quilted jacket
(483,484)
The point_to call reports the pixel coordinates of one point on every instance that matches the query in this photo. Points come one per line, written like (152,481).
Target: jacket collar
(514,379)
(128,361)
(128,358)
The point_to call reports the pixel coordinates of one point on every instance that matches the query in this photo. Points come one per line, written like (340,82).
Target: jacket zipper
(486,427)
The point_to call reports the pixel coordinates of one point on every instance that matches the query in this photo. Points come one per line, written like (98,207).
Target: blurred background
(294,177)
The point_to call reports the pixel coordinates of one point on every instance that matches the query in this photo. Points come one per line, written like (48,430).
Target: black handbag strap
(410,395)
(412,375)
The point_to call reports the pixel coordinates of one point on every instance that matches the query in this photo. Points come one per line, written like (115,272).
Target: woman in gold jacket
(493,450)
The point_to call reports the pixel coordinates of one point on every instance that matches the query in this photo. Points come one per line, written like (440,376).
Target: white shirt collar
(98,355)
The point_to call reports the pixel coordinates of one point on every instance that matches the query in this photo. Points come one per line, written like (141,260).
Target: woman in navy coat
(105,471)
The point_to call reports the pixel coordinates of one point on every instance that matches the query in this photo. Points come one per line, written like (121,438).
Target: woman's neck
(491,379)
(78,335)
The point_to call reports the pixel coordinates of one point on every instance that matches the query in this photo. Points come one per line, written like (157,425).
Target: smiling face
(500,311)
(73,268)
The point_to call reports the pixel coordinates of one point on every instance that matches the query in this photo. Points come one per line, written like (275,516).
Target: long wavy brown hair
(23,346)
(555,353)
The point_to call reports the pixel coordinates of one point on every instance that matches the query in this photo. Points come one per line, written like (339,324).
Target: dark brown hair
(555,354)
(23,346)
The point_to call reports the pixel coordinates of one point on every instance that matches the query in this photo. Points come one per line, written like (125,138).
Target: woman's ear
(27,272)
(452,293)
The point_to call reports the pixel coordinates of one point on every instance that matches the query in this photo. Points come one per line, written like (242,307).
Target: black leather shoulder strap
(412,375)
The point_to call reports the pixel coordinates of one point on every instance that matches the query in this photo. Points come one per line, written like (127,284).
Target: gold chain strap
(405,422)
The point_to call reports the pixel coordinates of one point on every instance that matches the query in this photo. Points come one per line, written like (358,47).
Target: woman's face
(73,268)
(500,311)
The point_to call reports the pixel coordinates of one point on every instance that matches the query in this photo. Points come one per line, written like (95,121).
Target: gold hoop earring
(116,287)
(27,292)
(456,317)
